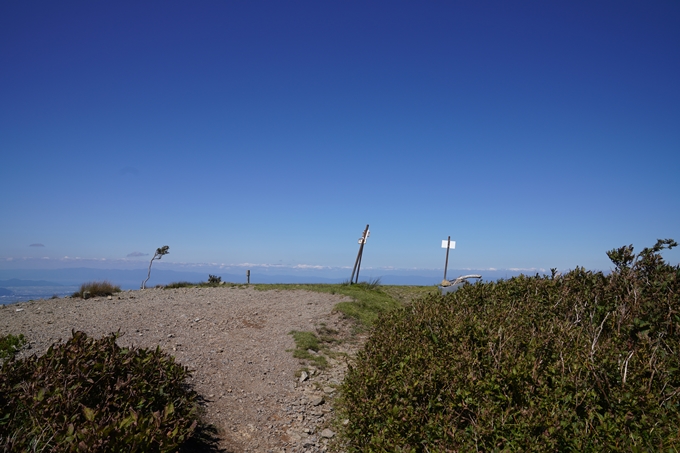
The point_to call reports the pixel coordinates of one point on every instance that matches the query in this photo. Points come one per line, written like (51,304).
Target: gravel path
(235,338)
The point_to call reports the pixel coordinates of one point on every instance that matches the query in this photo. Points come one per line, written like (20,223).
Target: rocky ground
(236,339)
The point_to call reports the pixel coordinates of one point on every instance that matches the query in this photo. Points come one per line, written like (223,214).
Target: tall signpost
(357,263)
(447,245)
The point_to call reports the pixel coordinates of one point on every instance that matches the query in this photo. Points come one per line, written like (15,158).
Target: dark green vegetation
(579,362)
(96,289)
(91,395)
(10,345)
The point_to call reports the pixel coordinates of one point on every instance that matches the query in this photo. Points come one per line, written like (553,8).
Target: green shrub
(214,279)
(10,345)
(96,289)
(91,395)
(580,362)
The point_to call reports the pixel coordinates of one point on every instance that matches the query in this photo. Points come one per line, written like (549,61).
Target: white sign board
(446,242)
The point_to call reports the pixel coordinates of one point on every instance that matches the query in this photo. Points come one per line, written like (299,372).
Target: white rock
(303,376)
(327,433)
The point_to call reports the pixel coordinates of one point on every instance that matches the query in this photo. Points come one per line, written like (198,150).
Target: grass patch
(10,345)
(370,284)
(175,285)
(305,342)
(407,294)
(370,300)
(96,289)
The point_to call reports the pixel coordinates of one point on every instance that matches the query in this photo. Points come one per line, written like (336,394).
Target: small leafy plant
(214,279)
(11,344)
(91,395)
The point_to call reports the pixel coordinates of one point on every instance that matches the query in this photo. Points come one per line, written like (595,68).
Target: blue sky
(535,134)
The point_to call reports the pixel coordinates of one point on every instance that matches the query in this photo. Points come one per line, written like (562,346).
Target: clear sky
(535,134)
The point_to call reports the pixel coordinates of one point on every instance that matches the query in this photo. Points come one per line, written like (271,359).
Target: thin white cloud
(526,269)
(136,254)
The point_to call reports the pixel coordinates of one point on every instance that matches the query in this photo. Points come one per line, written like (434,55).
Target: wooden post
(448,246)
(248,275)
(361,253)
(357,263)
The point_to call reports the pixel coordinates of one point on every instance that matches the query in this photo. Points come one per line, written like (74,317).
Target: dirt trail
(237,339)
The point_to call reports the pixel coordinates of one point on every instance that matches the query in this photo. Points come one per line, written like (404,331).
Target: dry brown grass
(95,289)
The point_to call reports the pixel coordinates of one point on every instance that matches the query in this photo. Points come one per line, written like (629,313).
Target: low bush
(96,289)
(91,395)
(579,362)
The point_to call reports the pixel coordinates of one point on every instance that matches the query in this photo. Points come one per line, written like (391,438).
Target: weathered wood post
(248,275)
(447,245)
(357,263)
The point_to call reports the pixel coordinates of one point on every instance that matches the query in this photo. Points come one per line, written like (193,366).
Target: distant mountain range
(14,282)
(132,279)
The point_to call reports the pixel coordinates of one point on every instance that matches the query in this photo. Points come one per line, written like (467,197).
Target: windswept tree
(158,255)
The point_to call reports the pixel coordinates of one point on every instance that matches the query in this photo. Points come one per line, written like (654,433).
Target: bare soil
(236,339)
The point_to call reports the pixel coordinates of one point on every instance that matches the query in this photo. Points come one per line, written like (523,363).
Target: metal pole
(248,275)
(358,260)
(446,266)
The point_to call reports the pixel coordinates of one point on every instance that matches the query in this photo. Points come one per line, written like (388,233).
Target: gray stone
(317,401)
(327,433)
(303,376)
